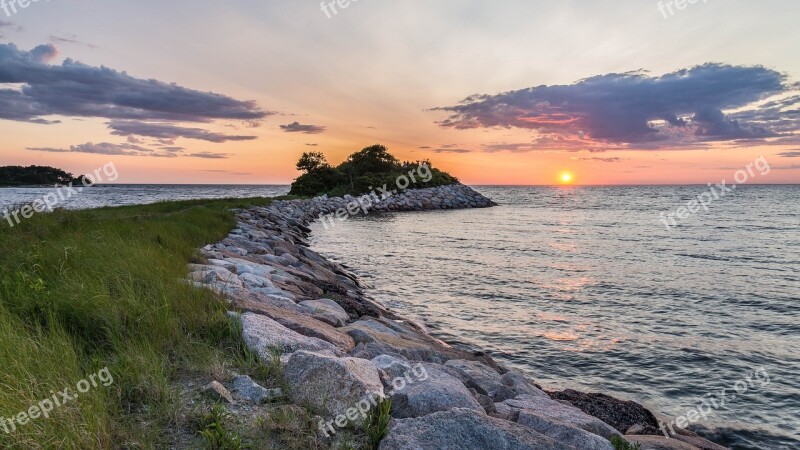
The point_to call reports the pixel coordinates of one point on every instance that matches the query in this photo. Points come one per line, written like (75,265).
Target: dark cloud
(792,154)
(296,127)
(78,90)
(169,132)
(635,110)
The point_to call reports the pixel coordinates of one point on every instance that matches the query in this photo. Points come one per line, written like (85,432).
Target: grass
(216,433)
(621,444)
(377,423)
(84,290)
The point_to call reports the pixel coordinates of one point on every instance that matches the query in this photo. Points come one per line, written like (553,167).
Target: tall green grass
(84,290)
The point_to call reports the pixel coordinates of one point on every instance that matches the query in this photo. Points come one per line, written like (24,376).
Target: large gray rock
(291,318)
(699,442)
(263,335)
(522,385)
(482,378)
(394,367)
(558,411)
(563,432)
(210,274)
(435,391)
(327,311)
(464,429)
(330,384)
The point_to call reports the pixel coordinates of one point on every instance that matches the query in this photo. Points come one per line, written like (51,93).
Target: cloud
(43,53)
(169,131)
(513,148)
(4,24)
(106,148)
(792,154)
(451,150)
(128,149)
(210,155)
(78,90)
(312,145)
(606,160)
(70,40)
(225,171)
(296,127)
(683,109)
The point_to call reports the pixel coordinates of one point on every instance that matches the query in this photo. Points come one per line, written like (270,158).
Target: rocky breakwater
(342,351)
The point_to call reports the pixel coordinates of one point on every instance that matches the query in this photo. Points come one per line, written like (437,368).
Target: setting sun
(566,177)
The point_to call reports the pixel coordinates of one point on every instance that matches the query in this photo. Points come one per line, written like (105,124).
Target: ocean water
(585,288)
(130,194)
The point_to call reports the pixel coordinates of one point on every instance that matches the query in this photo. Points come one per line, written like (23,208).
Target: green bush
(362,172)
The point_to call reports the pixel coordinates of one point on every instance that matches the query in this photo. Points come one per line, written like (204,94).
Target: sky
(494,92)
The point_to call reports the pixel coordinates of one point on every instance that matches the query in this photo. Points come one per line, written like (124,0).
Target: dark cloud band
(636,110)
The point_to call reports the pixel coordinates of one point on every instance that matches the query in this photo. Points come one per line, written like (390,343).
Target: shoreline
(317,314)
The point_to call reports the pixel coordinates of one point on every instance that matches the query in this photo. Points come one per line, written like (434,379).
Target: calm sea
(131,194)
(585,288)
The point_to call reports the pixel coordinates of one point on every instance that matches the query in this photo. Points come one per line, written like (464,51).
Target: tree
(374,159)
(312,162)
(34,175)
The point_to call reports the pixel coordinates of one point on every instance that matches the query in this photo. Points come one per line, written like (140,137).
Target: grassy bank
(85,290)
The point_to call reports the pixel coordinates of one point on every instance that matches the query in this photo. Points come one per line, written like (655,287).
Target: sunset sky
(495,92)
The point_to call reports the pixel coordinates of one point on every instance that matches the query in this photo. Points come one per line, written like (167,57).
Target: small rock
(254,392)
(217,392)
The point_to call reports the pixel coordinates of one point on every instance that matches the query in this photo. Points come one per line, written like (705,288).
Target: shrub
(362,172)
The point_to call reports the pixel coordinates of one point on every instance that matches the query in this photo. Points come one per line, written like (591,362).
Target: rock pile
(339,346)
